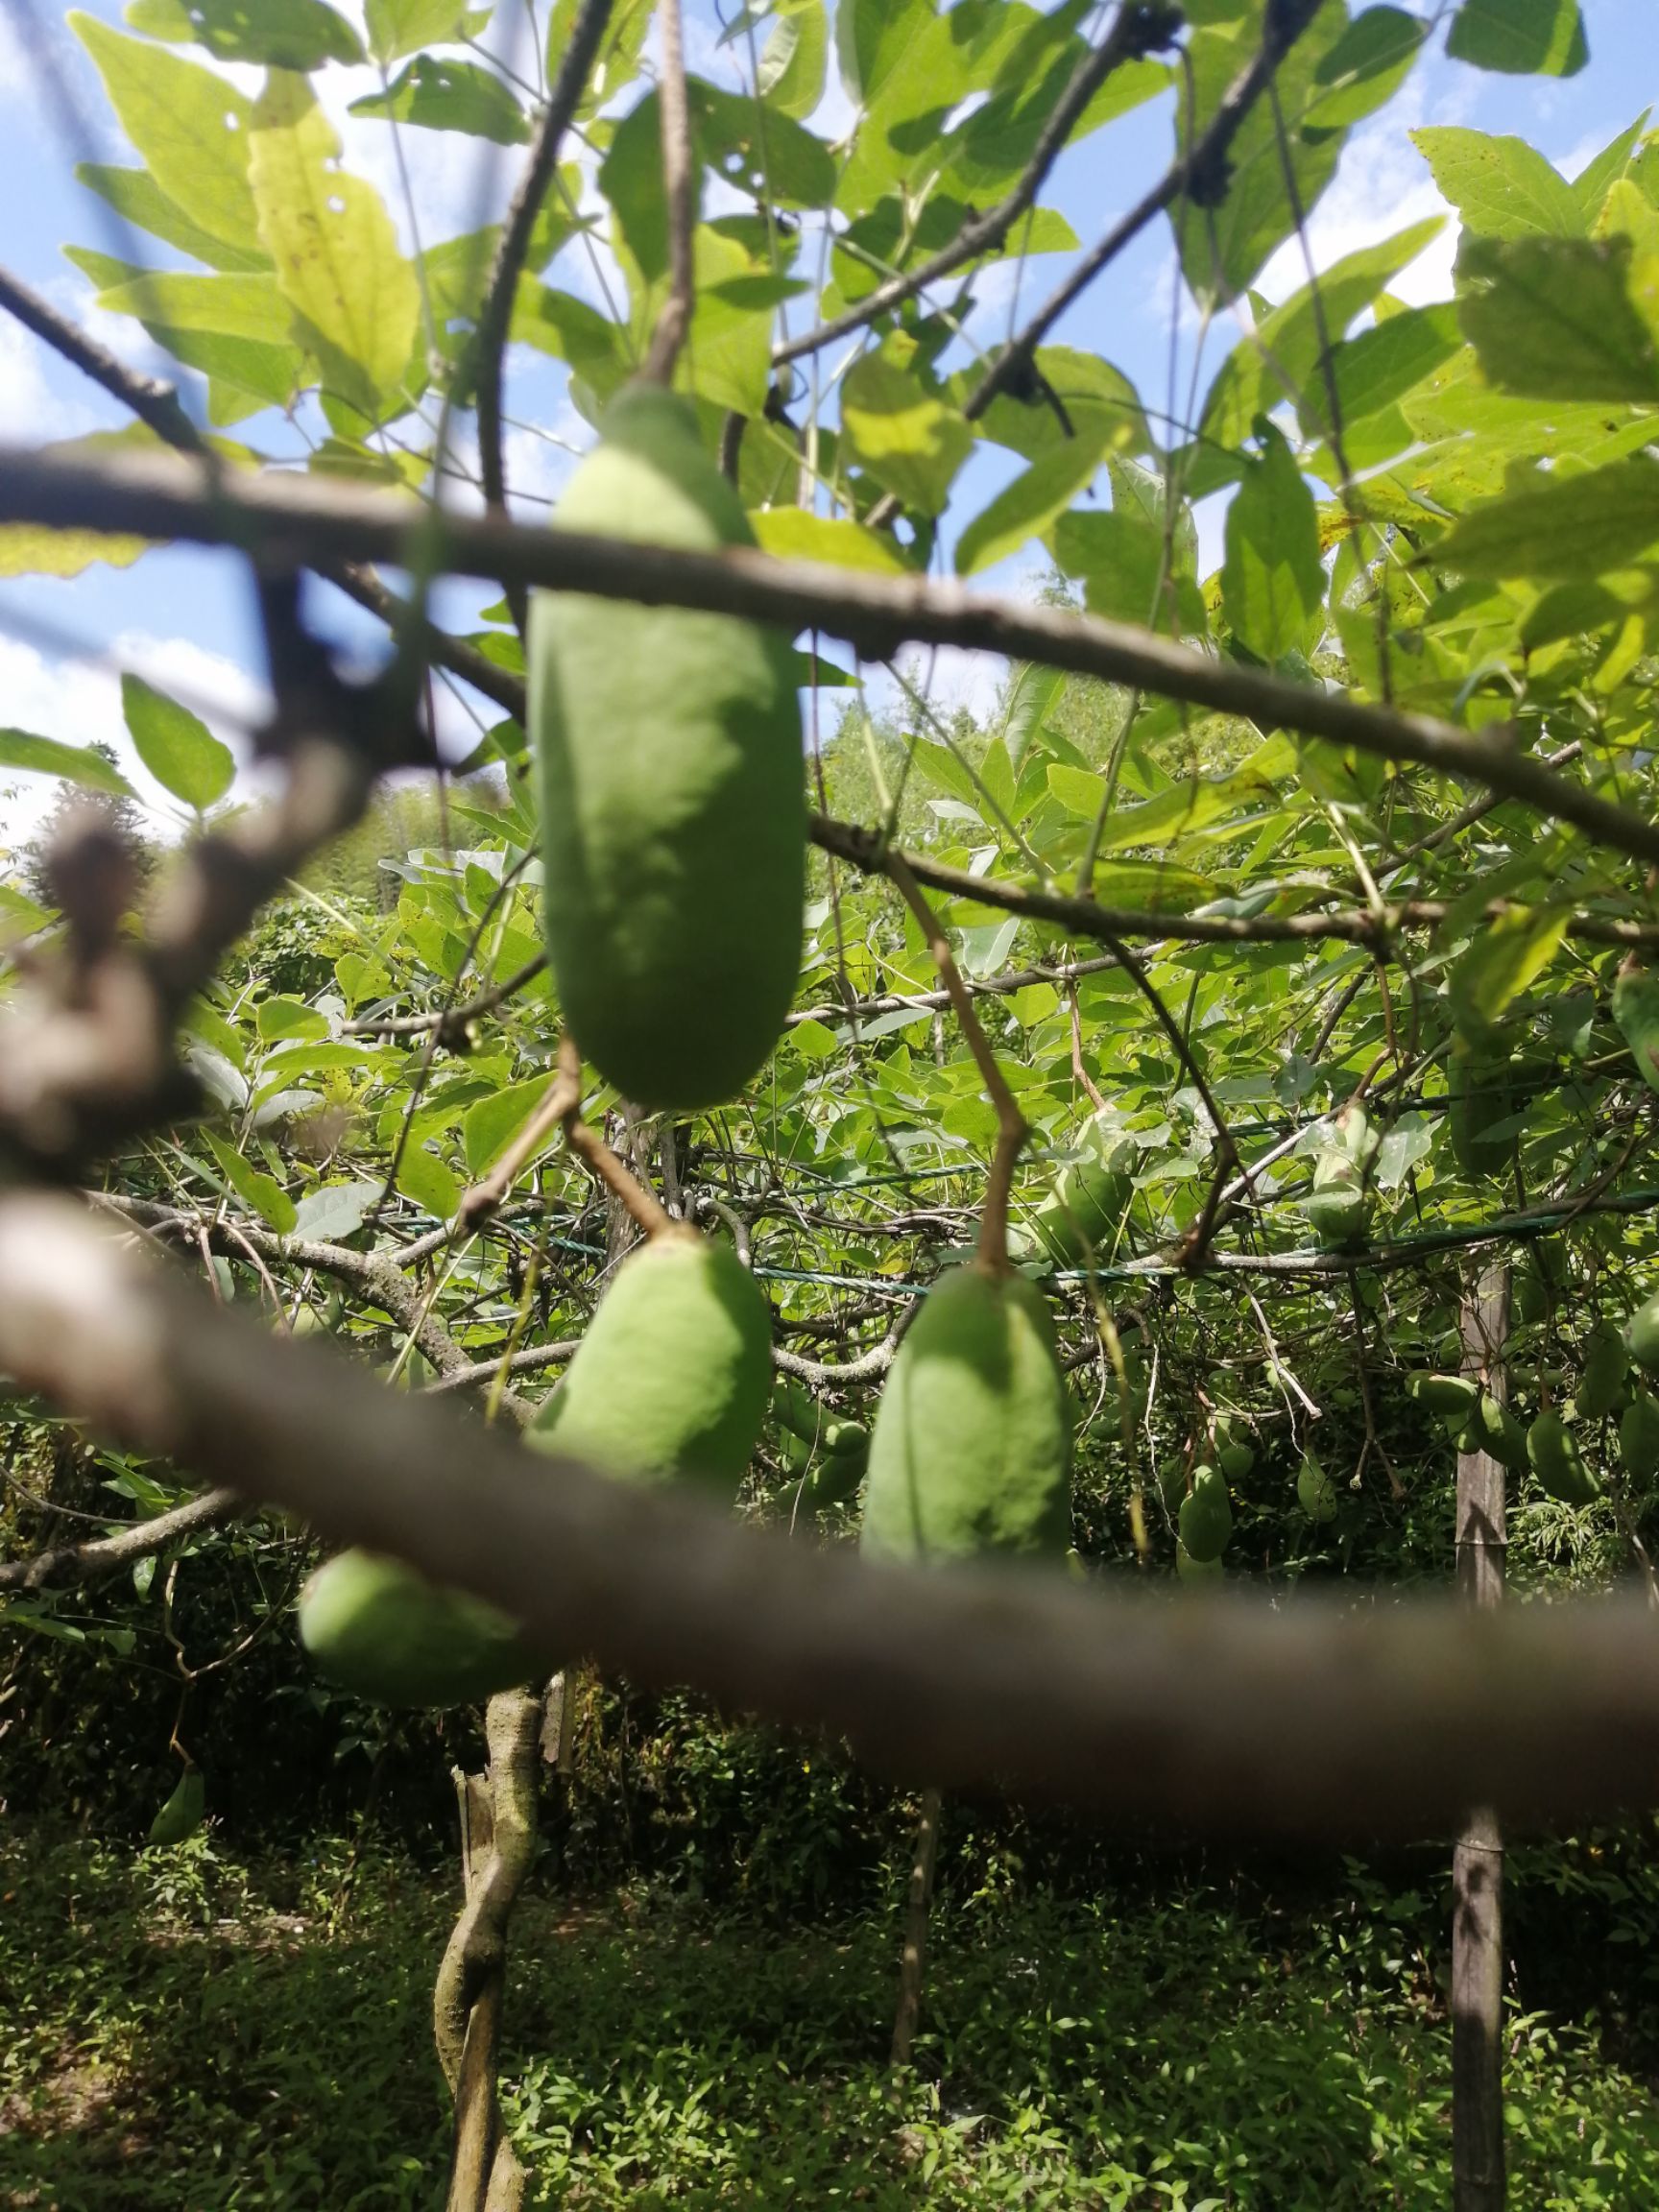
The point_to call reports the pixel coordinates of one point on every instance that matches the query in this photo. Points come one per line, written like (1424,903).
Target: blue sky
(183,617)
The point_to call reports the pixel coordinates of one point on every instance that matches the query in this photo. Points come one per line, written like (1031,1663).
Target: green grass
(181,2031)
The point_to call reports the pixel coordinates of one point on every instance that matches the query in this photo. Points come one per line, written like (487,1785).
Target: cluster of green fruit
(826,1454)
(1609,1383)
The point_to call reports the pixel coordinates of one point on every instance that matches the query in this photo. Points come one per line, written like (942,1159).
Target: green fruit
(1206,1516)
(1642,1335)
(375,1627)
(794,1453)
(1552,1451)
(1636,1011)
(1171,1485)
(1078,1224)
(834,1481)
(1606,1364)
(844,1436)
(1315,1492)
(1193,1570)
(1639,1436)
(1337,1214)
(1449,1398)
(796,1407)
(1484,1097)
(182,1813)
(1235,1461)
(971,1449)
(673,831)
(1498,1433)
(1229,1429)
(674,1373)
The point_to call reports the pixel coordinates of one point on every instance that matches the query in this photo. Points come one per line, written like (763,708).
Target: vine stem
(1011,1128)
(680,197)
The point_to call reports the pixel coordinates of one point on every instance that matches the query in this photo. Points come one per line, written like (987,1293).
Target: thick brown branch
(1226,1718)
(90,1562)
(305,520)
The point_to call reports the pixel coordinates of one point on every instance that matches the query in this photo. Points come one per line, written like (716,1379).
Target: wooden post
(913,1961)
(1477,2177)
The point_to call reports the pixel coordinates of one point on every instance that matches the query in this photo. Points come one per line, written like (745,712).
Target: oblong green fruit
(1606,1364)
(1485,1095)
(1639,1436)
(1315,1492)
(1642,1335)
(1080,1221)
(972,1447)
(1337,1214)
(1636,1011)
(1235,1461)
(1499,1433)
(834,1481)
(1199,1570)
(1553,1451)
(1449,1398)
(841,1436)
(375,1627)
(669,748)
(673,1377)
(184,1810)
(1206,1516)
(796,1408)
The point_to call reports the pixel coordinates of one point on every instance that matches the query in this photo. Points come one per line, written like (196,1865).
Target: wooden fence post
(1477,2177)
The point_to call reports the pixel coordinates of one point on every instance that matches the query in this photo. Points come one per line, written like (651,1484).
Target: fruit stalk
(1011,1130)
(679,197)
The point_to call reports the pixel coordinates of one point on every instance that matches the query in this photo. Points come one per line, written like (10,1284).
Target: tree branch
(1229,1718)
(307,519)
(90,1562)
(678,200)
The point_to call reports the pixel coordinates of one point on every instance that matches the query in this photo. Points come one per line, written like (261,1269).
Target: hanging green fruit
(1452,1399)
(1199,1570)
(1642,1335)
(1553,1451)
(1485,1097)
(1077,1225)
(673,1377)
(1235,1452)
(972,1447)
(376,1627)
(673,828)
(1206,1516)
(1606,1364)
(1494,1431)
(1636,1011)
(1639,1436)
(184,1810)
(1315,1492)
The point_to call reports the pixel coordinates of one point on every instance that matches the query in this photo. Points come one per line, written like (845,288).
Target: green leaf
(1596,179)
(1383,363)
(190,125)
(425,1178)
(1521,38)
(791,533)
(558,323)
(245,306)
(354,298)
(21,751)
(278,33)
(1501,188)
(399,27)
(901,430)
(333,1210)
(176,747)
(1119,557)
(1366,67)
(1557,318)
(494,1121)
(137,198)
(794,57)
(1098,403)
(280,1018)
(1509,953)
(1025,508)
(260,1192)
(1583,526)
(617,60)
(1271,581)
(438,94)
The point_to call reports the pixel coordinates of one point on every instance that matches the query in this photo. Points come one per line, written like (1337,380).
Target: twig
(678,200)
(309,519)
(495,316)
(1198,170)
(643,1206)
(1136,32)
(451,1025)
(1011,1128)
(70,1563)
(1230,1719)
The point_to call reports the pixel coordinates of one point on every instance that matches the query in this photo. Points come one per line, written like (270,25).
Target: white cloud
(79,703)
(31,398)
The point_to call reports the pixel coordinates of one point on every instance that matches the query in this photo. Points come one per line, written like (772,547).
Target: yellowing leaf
(793,535)
(190,125)
(354,297)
